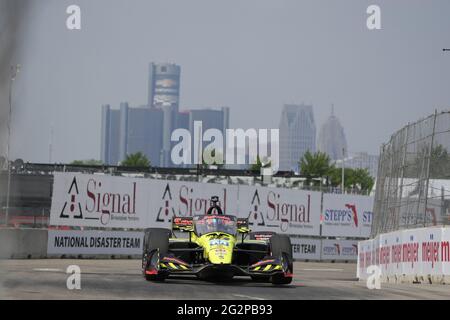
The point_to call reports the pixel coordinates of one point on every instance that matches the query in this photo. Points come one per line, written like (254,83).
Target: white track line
(322,269)
(248,297)
(47,270)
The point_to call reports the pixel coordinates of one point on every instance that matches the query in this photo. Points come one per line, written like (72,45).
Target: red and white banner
(98,201)
(179,198)
(347,215)
(119,202)
(280,210)
(415,252)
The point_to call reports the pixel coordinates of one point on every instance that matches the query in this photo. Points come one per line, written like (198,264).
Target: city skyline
(379,80)
(331,139)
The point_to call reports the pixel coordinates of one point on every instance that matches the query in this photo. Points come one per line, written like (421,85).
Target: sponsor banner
(98,201)
(445,251)
(431,243)
(390,253)
(339,249)
(306,249)
(415,252)
(119,202)
(94,242)
(364,258)
(295,212)
(347,215)
(180,198)
(411,251)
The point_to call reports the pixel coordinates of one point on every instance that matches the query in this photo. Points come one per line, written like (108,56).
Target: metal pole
(342,180)
(427,181)
(14,71)
(402,172)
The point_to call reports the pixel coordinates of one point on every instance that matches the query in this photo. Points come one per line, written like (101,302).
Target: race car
(218,247)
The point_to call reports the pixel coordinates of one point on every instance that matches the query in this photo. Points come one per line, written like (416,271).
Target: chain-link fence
(413,184)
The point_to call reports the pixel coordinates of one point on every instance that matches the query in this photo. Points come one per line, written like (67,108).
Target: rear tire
(280,247)
(155,240)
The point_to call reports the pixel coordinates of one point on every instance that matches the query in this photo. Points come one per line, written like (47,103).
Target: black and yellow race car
(218,247)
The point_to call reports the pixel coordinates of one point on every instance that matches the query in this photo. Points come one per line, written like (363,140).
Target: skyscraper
(148,129)
(130,130)
(210,119)
(297,134)
(332,138)
(109,153)
(164,93)
(164,85)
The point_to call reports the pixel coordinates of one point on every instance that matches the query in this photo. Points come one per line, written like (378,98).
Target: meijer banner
(347,215)
(280,210)
(420,253)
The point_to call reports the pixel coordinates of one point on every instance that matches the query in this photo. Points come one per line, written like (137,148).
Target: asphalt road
(122,279)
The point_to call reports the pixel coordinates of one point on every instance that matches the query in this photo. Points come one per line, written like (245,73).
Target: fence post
(427,181)
(405,151)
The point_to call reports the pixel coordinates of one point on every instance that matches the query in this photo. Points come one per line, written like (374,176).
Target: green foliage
(137,159)
(317,166)
(89,162)
(258,165)
(417,164)
(218,158)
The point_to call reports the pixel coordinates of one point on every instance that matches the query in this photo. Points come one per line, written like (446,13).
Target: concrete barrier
(23,243)
(419,255)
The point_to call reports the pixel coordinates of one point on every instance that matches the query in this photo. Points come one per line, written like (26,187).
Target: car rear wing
(183,224)
(242,225)
(261,235)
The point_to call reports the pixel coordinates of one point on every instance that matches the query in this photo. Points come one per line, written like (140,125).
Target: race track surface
(122,279)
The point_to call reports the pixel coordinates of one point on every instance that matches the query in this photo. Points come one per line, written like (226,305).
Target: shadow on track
(234,282)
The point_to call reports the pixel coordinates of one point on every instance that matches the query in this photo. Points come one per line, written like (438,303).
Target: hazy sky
(251,55)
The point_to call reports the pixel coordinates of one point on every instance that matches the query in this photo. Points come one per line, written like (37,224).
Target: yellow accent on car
(257,268)
(172,265)
(267,268)
(183,267)
(277,268)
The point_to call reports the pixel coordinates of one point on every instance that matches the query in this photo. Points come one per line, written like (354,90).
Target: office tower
(130,130)
(210,118)
(297,134)
(164,93)
(110,135)
(332,138)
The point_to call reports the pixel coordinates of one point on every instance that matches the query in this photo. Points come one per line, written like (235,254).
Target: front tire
(280,247)
(156,244)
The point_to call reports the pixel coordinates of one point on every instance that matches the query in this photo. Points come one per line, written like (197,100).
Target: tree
(359,179)
(439,163)
(362,180)
(258,165)
(89,162)
(315,165)
(212,158)
(137,159)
